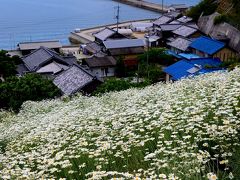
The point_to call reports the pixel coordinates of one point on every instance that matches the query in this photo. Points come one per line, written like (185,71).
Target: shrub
(14,91)
(220,19)
(156,55)
(8,64)
(115,84)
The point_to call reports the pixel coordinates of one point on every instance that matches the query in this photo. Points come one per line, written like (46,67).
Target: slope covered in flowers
(185,130)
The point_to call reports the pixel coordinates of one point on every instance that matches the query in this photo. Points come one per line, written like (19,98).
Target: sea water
(36,20)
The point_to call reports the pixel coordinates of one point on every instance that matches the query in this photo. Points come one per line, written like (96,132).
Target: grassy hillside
(186,130)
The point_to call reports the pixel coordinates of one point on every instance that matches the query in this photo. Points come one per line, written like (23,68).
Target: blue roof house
(208,47)
(193,67)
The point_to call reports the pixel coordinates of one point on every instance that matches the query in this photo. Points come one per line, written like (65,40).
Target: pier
(145,5)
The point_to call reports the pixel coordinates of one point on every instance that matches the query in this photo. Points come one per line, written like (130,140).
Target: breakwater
(145,5)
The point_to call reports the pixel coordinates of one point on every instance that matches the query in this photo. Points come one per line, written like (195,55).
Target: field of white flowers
(185,130)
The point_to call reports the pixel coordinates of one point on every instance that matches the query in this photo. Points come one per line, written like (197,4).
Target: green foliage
(157,55)
(231,63)
(8,64)
(14,91)
(206,7)
(220,19)
(115,84)
(235,162)
(155,73)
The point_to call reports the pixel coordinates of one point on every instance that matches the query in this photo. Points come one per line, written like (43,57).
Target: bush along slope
(185,130)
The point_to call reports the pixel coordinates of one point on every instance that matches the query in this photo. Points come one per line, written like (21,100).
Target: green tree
(206,7)
(14,91)
(156,55)
(8,64)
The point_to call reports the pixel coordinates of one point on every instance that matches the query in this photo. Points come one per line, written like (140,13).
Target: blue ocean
(33,20)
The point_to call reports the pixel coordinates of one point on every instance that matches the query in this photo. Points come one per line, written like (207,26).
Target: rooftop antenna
(117,16)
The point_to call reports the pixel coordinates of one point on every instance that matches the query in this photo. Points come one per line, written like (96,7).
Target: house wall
(103,72)
(225,54)
(195,35)
(167,77)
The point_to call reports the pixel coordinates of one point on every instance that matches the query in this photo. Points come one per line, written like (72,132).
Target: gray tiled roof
(162,20)
(93,47)
(184,19)
(52,68)
(73,80)
(104,34)
(193,25)
(173,14)
(169,27)
(175,22)
(124,43)
(36,45)
(39,57)
(141,24)
(101,61)
(180,43)
(185,31)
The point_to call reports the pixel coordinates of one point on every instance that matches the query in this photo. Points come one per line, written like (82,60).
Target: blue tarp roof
(213,62)
(172,53)
(185,68)
(188,56)
(178,70)
(207,45)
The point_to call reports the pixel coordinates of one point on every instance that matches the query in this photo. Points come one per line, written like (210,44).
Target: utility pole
(147,38)
(117,16)
(162,5)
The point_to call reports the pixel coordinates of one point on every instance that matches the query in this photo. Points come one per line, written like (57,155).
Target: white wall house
(101,66)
